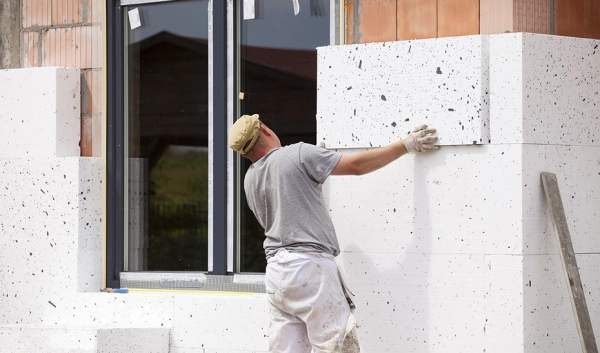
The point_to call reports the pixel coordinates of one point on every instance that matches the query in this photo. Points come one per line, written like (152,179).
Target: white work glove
(420,139)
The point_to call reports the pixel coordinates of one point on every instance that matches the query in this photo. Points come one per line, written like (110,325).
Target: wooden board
(571,271)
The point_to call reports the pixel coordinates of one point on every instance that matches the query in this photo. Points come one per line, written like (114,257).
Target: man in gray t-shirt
(283,189)
(309,304)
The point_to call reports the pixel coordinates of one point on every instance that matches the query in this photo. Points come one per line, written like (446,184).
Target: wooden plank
(568,19)
(458,18)
(416,19)
(567,255)
(591,19)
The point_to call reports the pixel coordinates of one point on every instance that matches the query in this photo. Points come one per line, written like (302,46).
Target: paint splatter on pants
(308,307)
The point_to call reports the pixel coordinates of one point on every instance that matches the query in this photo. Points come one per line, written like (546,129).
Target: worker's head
(251,138)
(244,133)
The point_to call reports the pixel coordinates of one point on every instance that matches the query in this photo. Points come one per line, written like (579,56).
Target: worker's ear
(266,129)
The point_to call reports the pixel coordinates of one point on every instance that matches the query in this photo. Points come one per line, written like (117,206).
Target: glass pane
(278,78)
(166,132)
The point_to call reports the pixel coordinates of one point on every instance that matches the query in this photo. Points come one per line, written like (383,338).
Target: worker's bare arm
(421,139)
(370,160)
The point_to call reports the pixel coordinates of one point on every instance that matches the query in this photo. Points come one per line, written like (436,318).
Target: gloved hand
(420,139)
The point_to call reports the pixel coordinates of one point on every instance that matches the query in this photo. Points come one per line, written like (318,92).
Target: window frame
(224,165)
(220,105)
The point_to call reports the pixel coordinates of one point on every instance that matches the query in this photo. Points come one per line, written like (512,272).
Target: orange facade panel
(591,19)
(532,16)
(495,16)
(458,17)
(569,18)
(416,19)
(370,21)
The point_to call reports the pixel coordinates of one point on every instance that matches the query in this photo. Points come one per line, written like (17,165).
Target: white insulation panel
(545,89)
(39,112)
(373,94)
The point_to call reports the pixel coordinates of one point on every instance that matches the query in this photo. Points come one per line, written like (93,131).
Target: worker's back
(284,190)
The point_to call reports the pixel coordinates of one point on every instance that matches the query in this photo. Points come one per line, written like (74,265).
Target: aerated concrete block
(372,94)
(545,89)
(40,113)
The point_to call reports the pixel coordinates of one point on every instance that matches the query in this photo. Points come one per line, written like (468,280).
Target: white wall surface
(373,94)
(52,255)
(41,105)
(446,252)
(453,251)
(544,89)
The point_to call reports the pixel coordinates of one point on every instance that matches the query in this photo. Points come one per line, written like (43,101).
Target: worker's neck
(261,151)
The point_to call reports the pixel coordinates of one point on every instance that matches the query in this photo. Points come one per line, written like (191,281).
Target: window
(175,85)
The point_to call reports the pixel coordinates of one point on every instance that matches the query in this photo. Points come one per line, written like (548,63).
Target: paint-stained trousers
(308,305)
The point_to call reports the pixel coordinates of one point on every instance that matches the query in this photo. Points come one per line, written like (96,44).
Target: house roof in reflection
(300,63)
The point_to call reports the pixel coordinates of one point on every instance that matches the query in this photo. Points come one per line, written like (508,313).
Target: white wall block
(90,245)
(449,251)
(372,94)
(417,302)
(39,112)
(421,204)
(544,89)
(134,340)
(239,322)
(577,169)
(52,339)
(504,330)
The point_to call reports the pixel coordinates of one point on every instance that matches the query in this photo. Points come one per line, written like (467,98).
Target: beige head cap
(244,133)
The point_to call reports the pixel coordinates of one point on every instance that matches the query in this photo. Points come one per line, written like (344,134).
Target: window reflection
(167,138)
(278,79)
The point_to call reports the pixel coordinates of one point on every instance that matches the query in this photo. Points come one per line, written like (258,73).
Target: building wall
(448,252)
(52,246)
(9,27)
(370,21)
(453,251)
(69,33)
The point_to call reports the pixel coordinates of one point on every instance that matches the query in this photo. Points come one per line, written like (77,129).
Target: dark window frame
(115,140)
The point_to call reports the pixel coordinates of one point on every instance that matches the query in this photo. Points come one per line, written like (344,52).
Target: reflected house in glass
(168,134)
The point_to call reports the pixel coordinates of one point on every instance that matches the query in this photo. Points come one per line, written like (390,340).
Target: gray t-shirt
(283,189)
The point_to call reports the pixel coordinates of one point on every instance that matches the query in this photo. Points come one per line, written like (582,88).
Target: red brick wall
(69,33)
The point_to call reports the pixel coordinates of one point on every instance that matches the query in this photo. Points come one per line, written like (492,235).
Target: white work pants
(308,307)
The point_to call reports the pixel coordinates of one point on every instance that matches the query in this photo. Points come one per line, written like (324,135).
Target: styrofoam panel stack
(479,210)
(372,94)
(554,106)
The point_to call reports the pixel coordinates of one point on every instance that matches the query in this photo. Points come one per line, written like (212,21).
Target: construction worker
(309,303)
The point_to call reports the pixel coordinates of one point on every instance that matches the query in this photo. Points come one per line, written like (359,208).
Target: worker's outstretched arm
(420,140)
